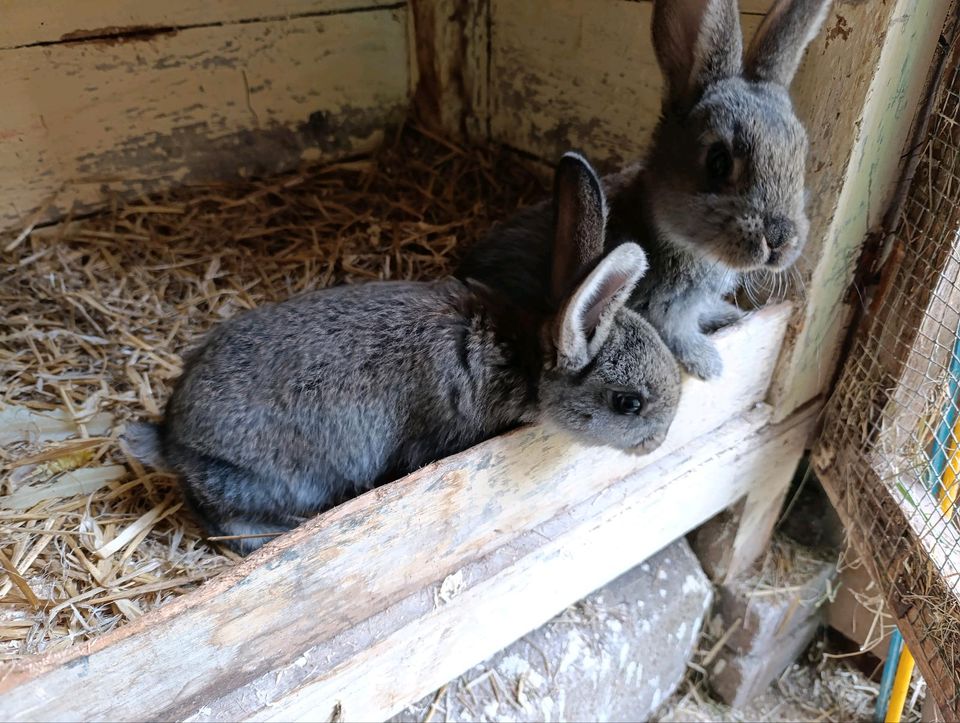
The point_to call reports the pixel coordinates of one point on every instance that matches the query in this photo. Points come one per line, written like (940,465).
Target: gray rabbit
(290,408)
(721,191)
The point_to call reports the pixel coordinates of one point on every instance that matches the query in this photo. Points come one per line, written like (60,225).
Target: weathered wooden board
(420,643)
(332,574)
(450,42)
(28,22)
(201,103)
(858,91)
(576,74)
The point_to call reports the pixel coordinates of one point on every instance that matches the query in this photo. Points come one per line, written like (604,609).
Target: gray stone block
(614,656)
(737,679)
(769,613)
(768,619)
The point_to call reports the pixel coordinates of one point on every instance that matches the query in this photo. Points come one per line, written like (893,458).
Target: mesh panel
(890,450)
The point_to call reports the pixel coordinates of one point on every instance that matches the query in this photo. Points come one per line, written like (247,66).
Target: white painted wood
(203,103)
(332,574)
(420,644)
(759,514)
(28,22)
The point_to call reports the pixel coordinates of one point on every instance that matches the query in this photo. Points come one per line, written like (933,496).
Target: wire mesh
(890,448)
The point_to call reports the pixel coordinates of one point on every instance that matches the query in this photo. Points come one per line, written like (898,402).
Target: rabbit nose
(778,230)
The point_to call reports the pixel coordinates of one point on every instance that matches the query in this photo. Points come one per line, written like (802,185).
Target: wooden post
(449,44)
(730,543)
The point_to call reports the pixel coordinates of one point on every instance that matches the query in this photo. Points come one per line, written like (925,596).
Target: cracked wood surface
(206,102)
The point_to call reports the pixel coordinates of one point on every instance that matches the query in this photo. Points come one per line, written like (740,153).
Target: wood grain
(203,103)
(450,41)
(576,74)
(337,571)
(419,644)
(857,91)
(28,22)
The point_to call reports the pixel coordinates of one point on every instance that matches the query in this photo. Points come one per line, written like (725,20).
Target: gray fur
(293,407)
(701,237)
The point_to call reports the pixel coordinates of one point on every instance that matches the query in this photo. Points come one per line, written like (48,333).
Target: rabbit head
(728,156)
(608,378)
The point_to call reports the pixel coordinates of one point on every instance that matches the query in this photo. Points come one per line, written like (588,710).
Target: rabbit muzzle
(765,242)
(779,240)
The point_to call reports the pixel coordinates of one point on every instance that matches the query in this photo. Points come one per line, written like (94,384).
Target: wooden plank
(198,104)
(858,97)
(28,22)
(757,517)
(450,41)
(848,612)
(576,74)
(731,542)
(419,644)
(338,570)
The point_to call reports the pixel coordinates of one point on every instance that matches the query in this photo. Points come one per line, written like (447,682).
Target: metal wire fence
(889,453)
(890,449)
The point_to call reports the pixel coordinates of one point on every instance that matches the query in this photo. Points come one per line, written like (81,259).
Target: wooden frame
(873,460)
(350,611)
(349,616)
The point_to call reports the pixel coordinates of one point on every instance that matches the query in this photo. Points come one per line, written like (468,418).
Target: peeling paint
(840,29)
(134,117)
(115,34)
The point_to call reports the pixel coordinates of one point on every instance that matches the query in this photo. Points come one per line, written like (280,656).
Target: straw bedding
(97,312)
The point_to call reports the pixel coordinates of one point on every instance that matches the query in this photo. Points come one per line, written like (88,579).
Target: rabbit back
(293,407)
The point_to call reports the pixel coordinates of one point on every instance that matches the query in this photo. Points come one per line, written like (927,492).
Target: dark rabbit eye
(719,162)
(626,403)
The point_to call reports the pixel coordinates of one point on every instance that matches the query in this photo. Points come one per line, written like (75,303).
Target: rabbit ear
(588,315)
(697,42)
(580,216)
(778,46)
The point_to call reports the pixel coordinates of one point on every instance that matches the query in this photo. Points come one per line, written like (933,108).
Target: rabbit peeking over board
(290,408)
(721,191)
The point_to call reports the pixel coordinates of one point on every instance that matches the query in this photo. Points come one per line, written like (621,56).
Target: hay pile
(96,313)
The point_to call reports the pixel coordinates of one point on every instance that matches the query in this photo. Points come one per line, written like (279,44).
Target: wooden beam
(31,22)
(422,642)
(203,103)
(731,542)
(450,41)
(761,508)
(334,574)
(858,92)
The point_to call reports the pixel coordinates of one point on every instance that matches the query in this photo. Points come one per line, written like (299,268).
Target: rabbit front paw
(720,315)
(698,356)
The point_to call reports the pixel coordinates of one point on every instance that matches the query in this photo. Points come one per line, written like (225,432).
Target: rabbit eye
(626,403)
(719,162)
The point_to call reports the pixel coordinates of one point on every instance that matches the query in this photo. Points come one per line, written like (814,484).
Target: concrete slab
(614,656)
